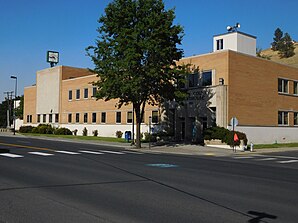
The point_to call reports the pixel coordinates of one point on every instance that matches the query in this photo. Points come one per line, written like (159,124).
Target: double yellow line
(27,147)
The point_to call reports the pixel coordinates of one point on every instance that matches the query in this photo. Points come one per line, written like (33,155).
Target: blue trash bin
(127,135)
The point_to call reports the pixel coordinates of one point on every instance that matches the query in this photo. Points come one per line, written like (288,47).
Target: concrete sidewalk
(173,148)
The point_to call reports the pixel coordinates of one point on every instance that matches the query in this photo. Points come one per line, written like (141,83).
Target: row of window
(43,118)
(283,86)
(202,79)
(78,93)
(283,118)
(94,118)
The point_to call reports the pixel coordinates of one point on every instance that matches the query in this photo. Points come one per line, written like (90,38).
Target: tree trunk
(138,126)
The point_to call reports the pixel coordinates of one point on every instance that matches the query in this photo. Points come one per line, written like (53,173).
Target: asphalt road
(53,181)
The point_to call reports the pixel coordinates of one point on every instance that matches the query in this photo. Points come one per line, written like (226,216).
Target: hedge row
(225,135)
(45,129)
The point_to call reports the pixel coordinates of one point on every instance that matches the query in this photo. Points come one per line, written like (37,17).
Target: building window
(129,117)
(56,118)
(219,44)
(206,78)
(94,91)
(29,118)
(193,80)
(38,118)
(44,118)
(50,118)
(78,94)
(103,117)
(283,85)
(69,118)
(154,116)
(295,118)
(86,93)
(295,87)
(118,117)
(70,95)
(283,118)
(93,117)
(85,117)
(77,117)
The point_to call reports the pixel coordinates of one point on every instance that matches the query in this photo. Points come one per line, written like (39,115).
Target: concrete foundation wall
(269,135)
(104,129)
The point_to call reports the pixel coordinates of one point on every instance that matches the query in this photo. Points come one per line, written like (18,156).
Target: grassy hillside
(293,61)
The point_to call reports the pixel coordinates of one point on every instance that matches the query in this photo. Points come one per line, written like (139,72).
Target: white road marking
(243,157)
(11,155)
(67,152)
(112,152)
(23,141)
(91,152)
(267,159)
(288,161)
(133,152)
(41,154)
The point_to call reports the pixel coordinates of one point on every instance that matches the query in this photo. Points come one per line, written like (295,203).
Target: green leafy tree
(20,108)
(135,55)
(4,106)
(277,40)
(287,47)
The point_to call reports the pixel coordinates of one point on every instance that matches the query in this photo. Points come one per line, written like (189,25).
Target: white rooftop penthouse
(236,41)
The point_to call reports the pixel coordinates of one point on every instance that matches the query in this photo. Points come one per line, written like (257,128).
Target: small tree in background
(277,40)
(287,47)
(20,108)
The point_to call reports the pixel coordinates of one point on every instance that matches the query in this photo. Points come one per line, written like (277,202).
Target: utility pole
(9,98)
(15,103)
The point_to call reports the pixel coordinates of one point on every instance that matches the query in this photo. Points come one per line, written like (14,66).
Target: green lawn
(275,145)
(106,139)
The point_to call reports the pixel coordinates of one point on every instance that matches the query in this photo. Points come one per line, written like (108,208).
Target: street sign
(234,122)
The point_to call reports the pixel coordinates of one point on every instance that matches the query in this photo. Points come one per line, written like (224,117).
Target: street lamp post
(15,104)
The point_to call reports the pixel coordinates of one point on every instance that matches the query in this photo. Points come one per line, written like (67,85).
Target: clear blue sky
(28,28)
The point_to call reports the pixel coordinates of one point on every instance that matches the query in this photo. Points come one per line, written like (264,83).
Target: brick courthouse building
(231,82)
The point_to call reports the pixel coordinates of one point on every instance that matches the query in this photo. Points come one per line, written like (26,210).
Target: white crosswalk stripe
(112,152)
(11,155)
(83,151)
(67,152)
(90,152)
(267,159)
(243,157)
(41,154)
(132,152)
(288,161)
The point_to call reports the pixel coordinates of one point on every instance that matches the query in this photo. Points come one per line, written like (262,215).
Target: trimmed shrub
(75,132)
(26,129)
(119,134)
(63,131)
(224,135)
(43,129)
(85,132)
(95,133)
(151,138)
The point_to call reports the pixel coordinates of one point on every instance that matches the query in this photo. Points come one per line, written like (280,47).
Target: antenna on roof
(233,28)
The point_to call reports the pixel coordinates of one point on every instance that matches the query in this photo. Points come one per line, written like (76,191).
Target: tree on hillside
(261,55)
(135,55)
(287,47)
(277,40)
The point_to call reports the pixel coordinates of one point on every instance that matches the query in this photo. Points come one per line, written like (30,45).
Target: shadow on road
(260,216)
